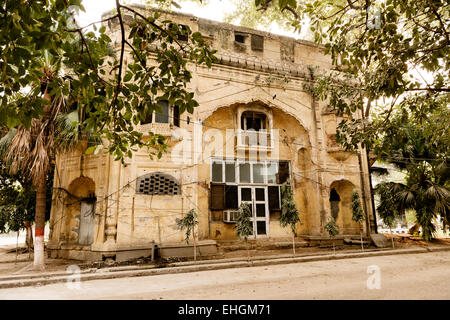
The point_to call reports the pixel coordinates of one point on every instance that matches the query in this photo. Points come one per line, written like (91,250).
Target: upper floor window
(255,128)
(239,171)
(257,42)
(251,120)
(166,114)
(239,37)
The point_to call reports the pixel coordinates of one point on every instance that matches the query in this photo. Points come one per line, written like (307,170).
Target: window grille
(157,184)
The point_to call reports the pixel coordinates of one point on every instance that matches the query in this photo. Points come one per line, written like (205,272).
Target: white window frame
(171,118)
(237,162)
(268,131)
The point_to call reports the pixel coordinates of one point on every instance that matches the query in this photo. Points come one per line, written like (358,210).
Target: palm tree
(416,150)
(32,150)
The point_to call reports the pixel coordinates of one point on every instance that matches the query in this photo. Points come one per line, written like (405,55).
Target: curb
(187,267)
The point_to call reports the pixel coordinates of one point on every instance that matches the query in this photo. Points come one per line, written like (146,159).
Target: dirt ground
(408,276)
(21,262)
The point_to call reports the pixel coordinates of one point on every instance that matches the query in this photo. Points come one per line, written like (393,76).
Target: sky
(215,10)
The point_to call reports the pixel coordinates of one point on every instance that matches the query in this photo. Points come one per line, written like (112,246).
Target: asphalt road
(412,276)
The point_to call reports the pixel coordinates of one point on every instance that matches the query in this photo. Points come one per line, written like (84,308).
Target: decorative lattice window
(157,183)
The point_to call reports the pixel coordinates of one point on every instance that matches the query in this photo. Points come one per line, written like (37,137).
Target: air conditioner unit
(230,216)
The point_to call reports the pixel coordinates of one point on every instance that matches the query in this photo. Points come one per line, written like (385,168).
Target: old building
(257,126)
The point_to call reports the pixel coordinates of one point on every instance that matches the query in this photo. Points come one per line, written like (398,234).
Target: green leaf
(90,150)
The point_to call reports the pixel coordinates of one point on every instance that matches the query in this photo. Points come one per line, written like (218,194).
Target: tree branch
(90,24)
(350,4)
(440,19)
(290,9)
(122,52)
(84,44)
(390,111)
(337,12)
(430,89)
(139,57)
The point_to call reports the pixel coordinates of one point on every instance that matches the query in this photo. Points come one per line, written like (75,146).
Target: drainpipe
(371,193)
(363,191)
(317,141)
(361,172)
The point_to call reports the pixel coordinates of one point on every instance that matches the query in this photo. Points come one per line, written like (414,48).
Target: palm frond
(5,142)
(67,131)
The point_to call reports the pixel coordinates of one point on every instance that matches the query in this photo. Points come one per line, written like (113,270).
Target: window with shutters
(231,197)
(157,184)
(274,198)
(283,172)
(217,198)
(257,42)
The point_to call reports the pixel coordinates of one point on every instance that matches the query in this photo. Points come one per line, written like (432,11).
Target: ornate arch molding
(249,101)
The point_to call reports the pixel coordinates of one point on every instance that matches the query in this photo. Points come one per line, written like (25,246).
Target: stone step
(263,245)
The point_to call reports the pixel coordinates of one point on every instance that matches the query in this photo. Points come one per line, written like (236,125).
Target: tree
(110,97)
(418,144)
(289,214)
(389,58)
(31,151)
(244,226)
(249,14)
(388,208)
(332,229)
(188,222)
(113,96)
(17,201)
(358,214)
(16,205)
(390,54)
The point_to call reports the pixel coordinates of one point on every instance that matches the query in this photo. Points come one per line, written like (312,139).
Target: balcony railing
(254,139)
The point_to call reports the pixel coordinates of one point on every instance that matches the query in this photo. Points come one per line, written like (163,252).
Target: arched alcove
(335,200)
(80,208)
(341,206)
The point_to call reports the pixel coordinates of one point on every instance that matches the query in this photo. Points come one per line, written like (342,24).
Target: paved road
(412,276)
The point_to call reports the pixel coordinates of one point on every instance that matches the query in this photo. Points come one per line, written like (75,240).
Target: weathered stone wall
(270,78)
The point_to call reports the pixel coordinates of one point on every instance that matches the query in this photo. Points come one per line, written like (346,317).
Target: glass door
(256,199)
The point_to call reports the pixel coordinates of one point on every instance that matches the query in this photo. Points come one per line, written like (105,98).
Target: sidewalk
(21,275)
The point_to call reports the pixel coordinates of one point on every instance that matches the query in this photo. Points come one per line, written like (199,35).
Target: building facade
(256,126)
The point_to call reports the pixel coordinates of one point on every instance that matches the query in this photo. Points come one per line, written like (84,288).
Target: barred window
(157,184)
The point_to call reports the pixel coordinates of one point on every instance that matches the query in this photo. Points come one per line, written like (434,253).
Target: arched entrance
(341,206)
(82,208)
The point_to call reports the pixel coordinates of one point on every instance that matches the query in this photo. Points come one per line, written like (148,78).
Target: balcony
(252,140)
